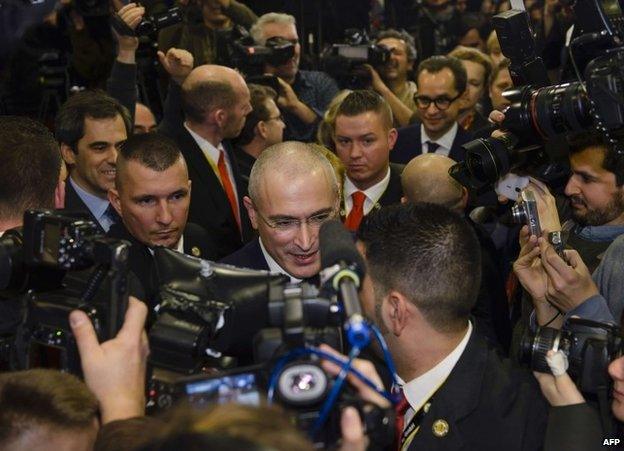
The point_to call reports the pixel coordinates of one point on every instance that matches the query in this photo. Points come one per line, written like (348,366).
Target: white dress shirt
(373,194)
(445,141)
(419,390)
(273,265)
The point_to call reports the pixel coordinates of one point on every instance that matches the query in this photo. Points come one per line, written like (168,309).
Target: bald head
(290,161)
(426,179)
(209,88)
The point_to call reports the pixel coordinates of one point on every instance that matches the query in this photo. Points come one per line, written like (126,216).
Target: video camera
(33,267)
(344,61)
(209,310)
(249,57)
(589,345)
(539,115)
(149,25)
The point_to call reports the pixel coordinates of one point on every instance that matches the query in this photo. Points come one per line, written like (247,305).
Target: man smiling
(292,191)
(89,127)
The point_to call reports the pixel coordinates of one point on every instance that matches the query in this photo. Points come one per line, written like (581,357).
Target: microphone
(343,269)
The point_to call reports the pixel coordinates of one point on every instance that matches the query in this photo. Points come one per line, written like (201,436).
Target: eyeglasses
(441,103)
(289,225)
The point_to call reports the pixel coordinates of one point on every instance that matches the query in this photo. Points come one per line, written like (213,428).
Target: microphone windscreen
(336,245)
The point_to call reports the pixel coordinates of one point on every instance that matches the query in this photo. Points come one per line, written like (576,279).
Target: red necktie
(399,422)
(227,186)
(357,211)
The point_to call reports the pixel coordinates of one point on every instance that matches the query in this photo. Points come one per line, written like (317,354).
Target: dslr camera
(540,116)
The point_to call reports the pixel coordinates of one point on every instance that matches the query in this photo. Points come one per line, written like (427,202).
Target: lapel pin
(440,428)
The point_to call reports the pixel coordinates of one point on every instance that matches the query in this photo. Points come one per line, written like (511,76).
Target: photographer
(392,80)
(304,95)
(206,28)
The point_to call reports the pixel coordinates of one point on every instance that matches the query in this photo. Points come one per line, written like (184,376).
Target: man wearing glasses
(441,95)
(293,190)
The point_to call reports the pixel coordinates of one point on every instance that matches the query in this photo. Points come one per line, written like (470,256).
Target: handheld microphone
(343,269)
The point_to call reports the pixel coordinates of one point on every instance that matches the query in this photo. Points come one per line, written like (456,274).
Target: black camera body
(41,267)
(589,345)
(540,116)
(149,25)
(250,58)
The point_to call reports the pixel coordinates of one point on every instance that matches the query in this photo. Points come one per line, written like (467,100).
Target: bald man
(426,179)
(152,195)
(215,100)
(293,189)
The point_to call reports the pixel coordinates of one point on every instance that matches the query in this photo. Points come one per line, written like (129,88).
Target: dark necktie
(399,409)
(432,147)
(112,214)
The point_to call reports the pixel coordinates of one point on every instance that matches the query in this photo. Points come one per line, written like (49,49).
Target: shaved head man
(216,102)
(292,190)
(426,179)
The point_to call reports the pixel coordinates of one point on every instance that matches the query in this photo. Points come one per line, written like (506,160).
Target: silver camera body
(525,212)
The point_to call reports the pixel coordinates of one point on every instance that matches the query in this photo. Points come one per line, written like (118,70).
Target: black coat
(408,144)
(487,404)
(73,202)
(210,207)
(141,262)
(249,256)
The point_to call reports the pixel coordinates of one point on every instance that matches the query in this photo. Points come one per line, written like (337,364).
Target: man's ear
(251,211)
(59,195)
(262,130)
(392,137)
(113,198)
(464,198)
(68,154)
(396,312)
(220,117)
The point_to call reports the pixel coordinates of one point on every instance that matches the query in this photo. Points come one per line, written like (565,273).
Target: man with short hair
(426,179)
(215,100)
(392,79)
(46,409)
(304,95)
(442,93)
(292,191)
(89,127)
(364,137)
(422,280)
(152,195)
(264,126)
(32,171)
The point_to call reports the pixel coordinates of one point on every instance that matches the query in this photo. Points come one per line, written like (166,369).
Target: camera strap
(414,425)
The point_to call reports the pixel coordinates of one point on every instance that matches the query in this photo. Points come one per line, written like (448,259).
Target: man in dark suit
(441,95)
(423,262)
(292,190)
(89,127)
(363,138)
(152,196)
(215,100)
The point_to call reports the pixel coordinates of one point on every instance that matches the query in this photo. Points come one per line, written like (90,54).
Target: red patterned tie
(228,187)
(399,422)
(357,211)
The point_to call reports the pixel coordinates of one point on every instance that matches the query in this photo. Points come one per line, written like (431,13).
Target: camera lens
(560,109)
(533,348)
(302,384)
(518,214)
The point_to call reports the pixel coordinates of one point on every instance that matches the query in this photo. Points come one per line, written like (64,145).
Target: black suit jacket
(487,405)
(249,256)
(141,262)
(394,191)
(408,144)
(210,207)
(73,202)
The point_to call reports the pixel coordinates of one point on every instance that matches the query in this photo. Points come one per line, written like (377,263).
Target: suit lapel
(394,190)
(73,202)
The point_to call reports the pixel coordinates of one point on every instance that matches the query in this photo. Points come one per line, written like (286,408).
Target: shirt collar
(178,248)
(273,265)
(419,390)
(445,141)
(373,194)
(96,205)
(206,146)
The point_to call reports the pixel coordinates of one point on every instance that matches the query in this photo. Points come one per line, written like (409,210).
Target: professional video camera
(539,116)
(589,345)
(208,310)
(344,61)
(250,58)
(33,265)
